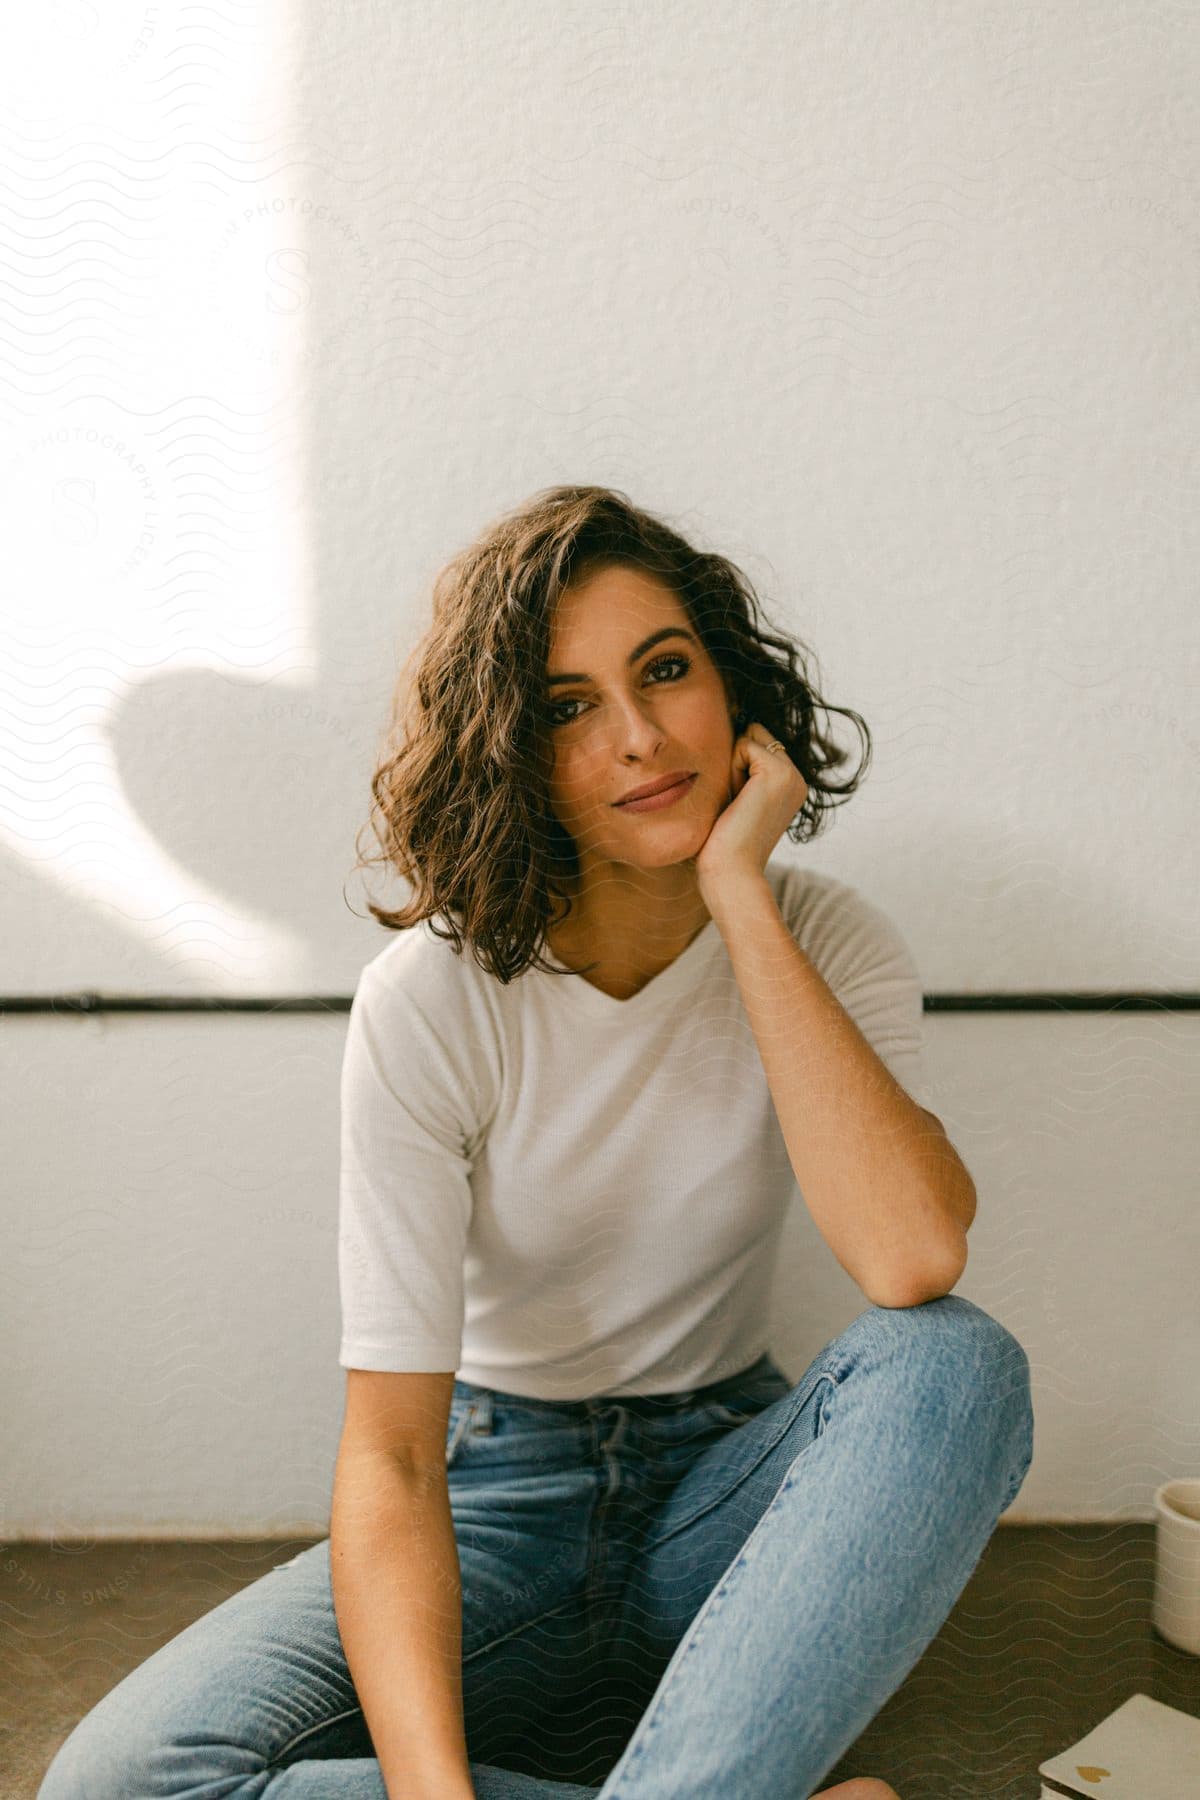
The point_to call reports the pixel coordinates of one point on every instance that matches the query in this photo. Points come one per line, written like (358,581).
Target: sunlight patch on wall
(156,309)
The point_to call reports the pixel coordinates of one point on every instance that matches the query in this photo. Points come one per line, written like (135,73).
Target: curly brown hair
(461,784)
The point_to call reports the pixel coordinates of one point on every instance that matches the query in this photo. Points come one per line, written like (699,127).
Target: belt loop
(481,1412)
(459,1433)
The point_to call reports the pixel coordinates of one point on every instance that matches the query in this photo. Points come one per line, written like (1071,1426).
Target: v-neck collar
(661,988)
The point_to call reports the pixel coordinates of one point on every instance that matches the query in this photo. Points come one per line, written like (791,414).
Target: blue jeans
(666,1597)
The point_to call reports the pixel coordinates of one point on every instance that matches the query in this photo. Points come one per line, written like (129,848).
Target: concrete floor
(1051,1633)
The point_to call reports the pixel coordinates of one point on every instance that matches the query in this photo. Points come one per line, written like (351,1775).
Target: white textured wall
(893,304)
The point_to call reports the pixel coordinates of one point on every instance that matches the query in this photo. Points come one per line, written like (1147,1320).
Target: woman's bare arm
(397,1585)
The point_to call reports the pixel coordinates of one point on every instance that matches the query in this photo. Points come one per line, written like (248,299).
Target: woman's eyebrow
(656,637)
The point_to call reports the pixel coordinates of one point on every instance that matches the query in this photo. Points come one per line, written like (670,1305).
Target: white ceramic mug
(1177,1563)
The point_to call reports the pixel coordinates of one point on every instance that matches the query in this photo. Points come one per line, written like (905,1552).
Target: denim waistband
(650,1405)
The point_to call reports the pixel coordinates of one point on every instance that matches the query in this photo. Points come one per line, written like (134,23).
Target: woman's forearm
(397,1594)
(886,1187)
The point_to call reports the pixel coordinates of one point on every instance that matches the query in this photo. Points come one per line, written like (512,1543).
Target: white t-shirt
(560,1194)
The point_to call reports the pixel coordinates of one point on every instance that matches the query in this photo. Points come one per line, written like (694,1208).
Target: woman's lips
(654,802)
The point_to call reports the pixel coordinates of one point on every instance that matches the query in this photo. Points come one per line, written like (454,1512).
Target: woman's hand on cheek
(767,791)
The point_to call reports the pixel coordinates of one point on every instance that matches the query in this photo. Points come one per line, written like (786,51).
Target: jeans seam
(309,1730)
(1017,1481)
(717,1499)
(571,1600)
(349,1712)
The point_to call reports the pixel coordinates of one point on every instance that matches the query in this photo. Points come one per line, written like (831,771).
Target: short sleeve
(404,1202)
(864,958)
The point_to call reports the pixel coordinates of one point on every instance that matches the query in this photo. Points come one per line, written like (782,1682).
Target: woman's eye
(660,662)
